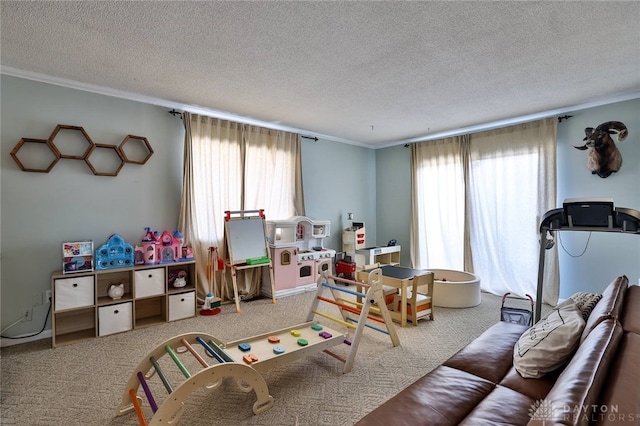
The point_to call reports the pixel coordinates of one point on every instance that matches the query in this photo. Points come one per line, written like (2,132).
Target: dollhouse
(298,253)
(162,247)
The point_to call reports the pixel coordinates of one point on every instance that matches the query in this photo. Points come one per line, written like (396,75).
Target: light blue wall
(608,255)
(40,211)
(393,185)
(339,179)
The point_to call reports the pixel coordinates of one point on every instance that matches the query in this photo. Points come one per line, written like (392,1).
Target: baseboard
(4,343)
(290,291)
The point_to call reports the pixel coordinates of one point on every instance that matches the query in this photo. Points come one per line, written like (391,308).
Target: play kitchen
(298,253)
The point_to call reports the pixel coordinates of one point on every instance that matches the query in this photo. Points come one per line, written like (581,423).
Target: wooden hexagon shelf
(70,130)
(138,152)
(42,153)
(108,154)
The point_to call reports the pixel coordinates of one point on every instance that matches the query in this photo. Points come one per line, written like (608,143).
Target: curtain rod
(174,112)
(563,117)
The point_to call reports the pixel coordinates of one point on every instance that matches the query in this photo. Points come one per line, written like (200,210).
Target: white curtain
(231,166)
(478,200)
(276,155)
(212,183)
(512,183)
(437,225)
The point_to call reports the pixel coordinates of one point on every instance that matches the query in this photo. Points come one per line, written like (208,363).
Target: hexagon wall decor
(138,152)
(133,149)
(30,164)
(66,129)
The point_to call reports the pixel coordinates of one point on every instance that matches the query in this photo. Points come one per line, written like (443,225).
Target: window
(478,200)
(231,166)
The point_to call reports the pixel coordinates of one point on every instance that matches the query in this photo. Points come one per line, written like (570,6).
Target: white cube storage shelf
(74,292)
(82,308)
(115,318)
(149,282)
(182,305)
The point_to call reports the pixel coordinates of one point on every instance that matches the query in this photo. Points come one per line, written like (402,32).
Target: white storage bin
(115,318)
(73,292)
(149,282)
(182,305)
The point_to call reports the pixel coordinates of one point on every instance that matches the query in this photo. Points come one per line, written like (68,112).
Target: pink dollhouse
(298,253)
(162,247)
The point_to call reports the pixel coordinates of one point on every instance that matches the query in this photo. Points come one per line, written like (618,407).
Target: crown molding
(195,109)
(516,120)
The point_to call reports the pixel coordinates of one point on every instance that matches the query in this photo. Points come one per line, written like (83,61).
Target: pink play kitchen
(298,253)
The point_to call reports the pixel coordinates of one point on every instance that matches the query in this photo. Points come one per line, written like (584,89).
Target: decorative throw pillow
(586,302)
(550,342)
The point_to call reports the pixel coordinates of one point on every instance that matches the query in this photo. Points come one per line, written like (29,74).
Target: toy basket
(516,315)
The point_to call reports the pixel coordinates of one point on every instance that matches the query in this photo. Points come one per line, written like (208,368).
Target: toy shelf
(354,239)
(104,281)
(82,308)
(384,255)
(150,311)
(75,325)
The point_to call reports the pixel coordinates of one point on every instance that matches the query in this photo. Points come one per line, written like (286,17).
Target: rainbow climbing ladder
(372,313)
(244,359)
(210,377)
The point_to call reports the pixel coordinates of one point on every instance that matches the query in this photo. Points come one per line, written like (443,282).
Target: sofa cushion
(503,406)
(491,364)
(621,392)
(550,342)
(586,302)
(533,388)
(442,397)
(574,394)
(609,306)
(630,319)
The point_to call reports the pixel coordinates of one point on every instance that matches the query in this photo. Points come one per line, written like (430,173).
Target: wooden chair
(419,298)
(389,292)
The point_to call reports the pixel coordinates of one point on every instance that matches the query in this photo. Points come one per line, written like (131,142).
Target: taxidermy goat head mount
(604,157)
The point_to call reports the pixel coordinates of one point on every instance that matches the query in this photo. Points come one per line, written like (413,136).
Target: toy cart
(516,315)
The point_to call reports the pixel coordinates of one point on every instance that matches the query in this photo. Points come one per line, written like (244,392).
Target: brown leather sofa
(600,385)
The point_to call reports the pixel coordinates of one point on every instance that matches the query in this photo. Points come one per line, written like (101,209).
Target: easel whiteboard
(246,239)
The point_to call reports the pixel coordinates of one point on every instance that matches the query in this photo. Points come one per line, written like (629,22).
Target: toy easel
(373,294)
(247,248)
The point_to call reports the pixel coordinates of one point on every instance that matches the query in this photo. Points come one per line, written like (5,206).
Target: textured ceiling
(371,73)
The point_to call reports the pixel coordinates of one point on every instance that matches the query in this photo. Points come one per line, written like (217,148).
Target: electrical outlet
(47,297)
(26,315)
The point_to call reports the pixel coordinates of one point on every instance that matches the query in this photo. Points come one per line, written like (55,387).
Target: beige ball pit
(455,289)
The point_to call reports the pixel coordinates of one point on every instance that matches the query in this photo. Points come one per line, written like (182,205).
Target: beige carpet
(82,383)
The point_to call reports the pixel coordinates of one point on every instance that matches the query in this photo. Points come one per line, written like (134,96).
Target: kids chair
(389,292)
(419,298)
